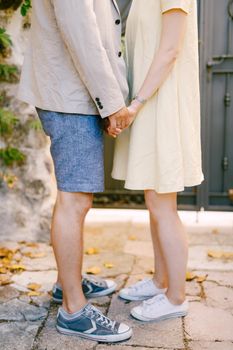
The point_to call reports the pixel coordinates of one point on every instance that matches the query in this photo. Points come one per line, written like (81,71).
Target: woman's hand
(133,109)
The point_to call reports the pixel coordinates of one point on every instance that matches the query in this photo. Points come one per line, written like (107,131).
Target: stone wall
(25,209)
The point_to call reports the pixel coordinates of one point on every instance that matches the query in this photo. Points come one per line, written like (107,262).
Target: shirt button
(119,54)
(118,21)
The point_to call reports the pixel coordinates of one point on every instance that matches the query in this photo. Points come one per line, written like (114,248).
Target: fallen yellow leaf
(34,294)
(228,255)
(108,265)
(92,251)
(33,286)
(33,255)
(190,276)
(150,271)
(16,268)
(6,261)
(219,254)
(32,244)
(215,231)
(132,238)
(4,280)
(201,279)
(5,253)
(3,270)
(95,270)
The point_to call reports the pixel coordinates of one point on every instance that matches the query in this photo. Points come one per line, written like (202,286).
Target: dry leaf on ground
(5,279)
(34,294)
(190,276)
(3,270)
(215,231)
(33,255)
(132,238)
(6,253)
(33,286)
(32,244)
(219,254)
(92,251)
(108,265)
(16,268)
(94,270)
(201,279)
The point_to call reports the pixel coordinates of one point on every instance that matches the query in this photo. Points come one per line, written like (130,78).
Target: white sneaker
(141,291)
(158,309)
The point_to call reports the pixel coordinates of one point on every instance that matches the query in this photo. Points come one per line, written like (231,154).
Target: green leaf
(11,156)
(7,122)
(5,40)
(9,73)
(25,7)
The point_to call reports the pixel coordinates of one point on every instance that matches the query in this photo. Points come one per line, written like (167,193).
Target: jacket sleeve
(77,23)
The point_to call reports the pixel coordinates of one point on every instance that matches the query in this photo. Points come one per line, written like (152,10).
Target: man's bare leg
(67,240)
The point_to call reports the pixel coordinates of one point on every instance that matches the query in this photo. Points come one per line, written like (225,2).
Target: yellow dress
(162,149)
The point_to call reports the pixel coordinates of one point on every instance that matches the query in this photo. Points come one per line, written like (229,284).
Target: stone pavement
(118,246)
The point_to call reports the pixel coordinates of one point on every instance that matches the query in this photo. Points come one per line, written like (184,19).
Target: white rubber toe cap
(111,284)
(136,311)
(123,328)
(124,291)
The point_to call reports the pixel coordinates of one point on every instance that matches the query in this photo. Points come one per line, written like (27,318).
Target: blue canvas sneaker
(91,324)
(92,288)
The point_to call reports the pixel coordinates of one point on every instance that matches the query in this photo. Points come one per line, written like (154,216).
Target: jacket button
(101,107)
(118,21)
(97,99)
(119,54)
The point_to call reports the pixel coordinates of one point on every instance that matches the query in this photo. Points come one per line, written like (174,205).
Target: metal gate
(216,74)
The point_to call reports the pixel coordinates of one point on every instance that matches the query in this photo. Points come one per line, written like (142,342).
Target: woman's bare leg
(160,276)
(172,239)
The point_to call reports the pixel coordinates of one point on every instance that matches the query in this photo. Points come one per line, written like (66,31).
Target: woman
(161,152)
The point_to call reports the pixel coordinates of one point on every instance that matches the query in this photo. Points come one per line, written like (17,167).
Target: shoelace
(95,314)
(139,285)
(159,299)
(93,281)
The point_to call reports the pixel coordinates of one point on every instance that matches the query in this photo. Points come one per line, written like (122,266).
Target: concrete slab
(148,334)
(211,346)
(211,324)
(45,278)
(18,335)
(198,257)
(17,310)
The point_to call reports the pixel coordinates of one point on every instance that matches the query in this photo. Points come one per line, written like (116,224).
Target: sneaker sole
(92,295)
(132,298)
(158,319)
(101,338)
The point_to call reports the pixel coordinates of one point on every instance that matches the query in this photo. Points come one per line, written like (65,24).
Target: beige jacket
(74,62)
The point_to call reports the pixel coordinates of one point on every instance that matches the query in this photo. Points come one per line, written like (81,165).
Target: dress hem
(164,189)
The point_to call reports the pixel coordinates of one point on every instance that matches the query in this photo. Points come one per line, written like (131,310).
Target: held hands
(121,120)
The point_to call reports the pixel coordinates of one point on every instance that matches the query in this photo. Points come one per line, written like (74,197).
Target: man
(74,74)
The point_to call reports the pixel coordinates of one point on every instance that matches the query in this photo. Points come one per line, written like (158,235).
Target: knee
(78,203)
(160,206)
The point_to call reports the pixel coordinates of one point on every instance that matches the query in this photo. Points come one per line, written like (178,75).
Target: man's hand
(118,122)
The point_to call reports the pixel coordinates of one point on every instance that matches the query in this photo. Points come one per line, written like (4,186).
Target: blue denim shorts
(77,149)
